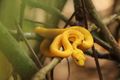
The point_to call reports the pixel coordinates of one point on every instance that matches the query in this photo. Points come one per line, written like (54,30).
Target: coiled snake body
(65,42)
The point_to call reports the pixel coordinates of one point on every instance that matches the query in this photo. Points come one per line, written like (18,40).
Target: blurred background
(29,17)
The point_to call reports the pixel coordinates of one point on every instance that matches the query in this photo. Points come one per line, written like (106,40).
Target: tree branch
(40,75)
(92,11)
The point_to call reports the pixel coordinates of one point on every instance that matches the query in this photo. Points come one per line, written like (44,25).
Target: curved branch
(40,75)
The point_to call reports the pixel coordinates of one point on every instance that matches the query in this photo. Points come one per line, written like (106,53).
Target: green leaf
(18,57)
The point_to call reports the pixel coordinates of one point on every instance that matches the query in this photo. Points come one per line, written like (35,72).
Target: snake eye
(76,60)
(79,62)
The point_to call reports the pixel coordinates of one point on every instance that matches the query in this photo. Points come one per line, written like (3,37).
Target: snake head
(78,57)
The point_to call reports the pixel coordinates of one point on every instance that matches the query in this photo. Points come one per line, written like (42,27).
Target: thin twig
(97,64)
(28,45)
(69,20)
(68,78)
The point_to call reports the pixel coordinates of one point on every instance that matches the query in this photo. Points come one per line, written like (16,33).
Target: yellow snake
(51,33)
(65,42)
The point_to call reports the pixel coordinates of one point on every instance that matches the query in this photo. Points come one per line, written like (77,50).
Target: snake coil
(65,42)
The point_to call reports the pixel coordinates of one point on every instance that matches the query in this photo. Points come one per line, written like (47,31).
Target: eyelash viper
(65,42)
